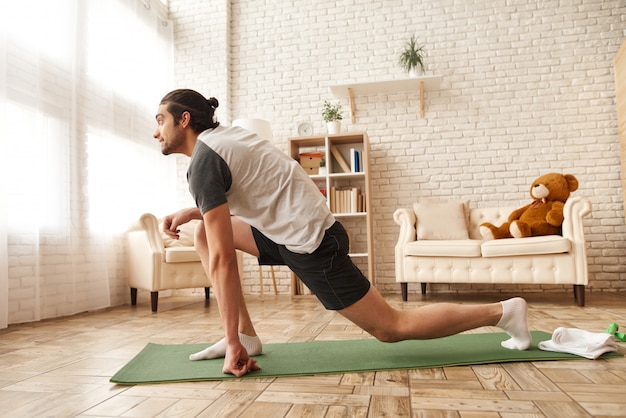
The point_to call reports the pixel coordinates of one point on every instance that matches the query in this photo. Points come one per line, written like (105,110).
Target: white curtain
(81,81)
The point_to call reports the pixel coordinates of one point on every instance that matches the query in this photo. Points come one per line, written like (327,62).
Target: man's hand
(238,362)
(173,221)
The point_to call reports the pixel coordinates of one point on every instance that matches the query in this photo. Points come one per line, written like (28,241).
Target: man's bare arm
(224,274)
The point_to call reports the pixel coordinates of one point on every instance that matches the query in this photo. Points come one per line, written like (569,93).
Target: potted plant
(323,170)
(412,56)
(332,116)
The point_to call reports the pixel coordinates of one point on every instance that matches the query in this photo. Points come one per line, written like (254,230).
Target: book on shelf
(355,161)
(347,200)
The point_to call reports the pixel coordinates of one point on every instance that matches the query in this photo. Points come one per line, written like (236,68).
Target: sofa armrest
(406,219)
(573,212)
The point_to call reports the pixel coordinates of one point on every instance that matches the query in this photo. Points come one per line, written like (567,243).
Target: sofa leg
(404,287)
(154,299)
(207,293)
(579,294)
(133,296)
(423,288)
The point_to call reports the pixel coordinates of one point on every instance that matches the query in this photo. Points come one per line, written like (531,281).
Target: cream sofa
(433,248)
(157,262)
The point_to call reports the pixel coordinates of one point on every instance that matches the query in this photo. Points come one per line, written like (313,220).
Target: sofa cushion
(181,255)
(444,248)
(441,219)
(549,244)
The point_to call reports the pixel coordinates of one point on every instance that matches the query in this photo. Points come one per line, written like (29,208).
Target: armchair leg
(579,294)
(207,293)
(404,286)
(154,299)
(423,288)
(133,296)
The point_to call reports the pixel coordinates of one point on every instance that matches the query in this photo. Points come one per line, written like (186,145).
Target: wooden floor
(61,367)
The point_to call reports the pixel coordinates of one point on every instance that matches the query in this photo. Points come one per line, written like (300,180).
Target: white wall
(527,89)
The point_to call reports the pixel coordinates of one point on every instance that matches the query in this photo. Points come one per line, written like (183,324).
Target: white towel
(580,342)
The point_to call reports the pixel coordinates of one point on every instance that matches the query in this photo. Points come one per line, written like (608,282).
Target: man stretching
(251,196)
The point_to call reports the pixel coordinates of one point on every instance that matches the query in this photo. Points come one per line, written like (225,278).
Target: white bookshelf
(340,181)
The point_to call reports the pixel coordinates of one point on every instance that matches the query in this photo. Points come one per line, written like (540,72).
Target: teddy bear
(544,216)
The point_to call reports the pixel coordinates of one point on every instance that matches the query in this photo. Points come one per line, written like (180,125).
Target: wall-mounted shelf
(420,84)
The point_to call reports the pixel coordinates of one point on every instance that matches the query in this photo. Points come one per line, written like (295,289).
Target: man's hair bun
(213,102)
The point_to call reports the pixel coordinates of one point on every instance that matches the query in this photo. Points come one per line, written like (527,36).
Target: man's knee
(387,335)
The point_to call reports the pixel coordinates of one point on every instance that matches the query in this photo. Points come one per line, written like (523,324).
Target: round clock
(305,129)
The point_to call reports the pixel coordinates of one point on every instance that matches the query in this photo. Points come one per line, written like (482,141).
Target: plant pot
(334,127)
(415,72)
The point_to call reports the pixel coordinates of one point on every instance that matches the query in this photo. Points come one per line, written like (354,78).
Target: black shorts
(328,272)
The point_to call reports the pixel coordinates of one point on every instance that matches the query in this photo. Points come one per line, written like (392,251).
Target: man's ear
(185,119)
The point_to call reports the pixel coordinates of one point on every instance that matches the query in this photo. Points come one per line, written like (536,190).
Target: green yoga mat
(170,363)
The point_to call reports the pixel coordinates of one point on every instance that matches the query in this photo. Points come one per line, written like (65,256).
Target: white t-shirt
(261,184)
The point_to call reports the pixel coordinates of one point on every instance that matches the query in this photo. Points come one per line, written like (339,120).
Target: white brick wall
(527,89)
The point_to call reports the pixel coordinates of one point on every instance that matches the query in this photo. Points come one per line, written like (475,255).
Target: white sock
(514,322)
(218,350)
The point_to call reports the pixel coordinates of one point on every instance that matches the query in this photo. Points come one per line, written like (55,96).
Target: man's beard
(172,146)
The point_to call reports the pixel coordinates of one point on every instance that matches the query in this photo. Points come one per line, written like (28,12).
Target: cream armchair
(157,262)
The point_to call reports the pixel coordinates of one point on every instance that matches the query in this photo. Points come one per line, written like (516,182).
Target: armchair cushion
(185,233)
(181,255)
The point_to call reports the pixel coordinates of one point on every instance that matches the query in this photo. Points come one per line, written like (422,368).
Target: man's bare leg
(377,317)
(247,335)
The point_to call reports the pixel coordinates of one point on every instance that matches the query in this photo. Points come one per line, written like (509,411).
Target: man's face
(168,133)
